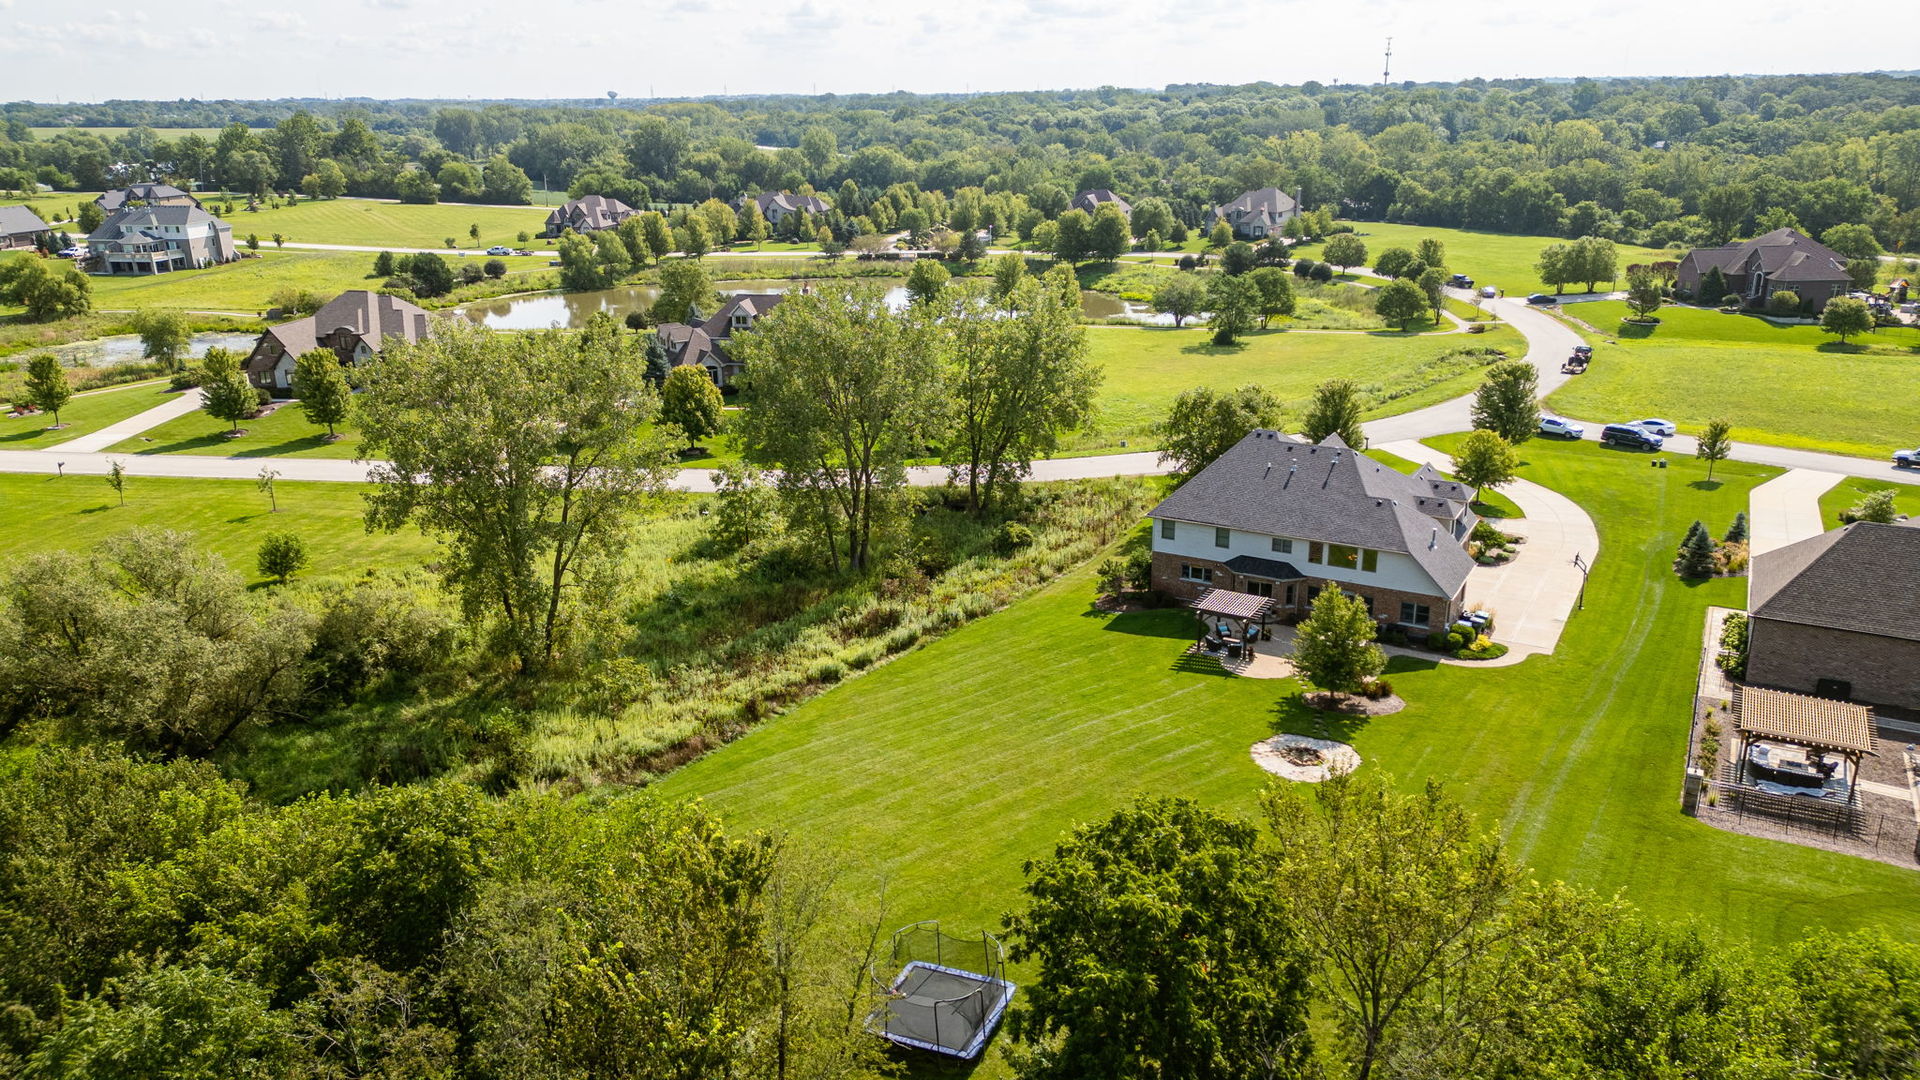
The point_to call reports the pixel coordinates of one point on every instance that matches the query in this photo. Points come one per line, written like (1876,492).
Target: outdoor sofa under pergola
(1245,610)
(1786,745)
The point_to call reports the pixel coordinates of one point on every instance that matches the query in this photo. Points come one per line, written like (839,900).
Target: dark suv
(1631,437)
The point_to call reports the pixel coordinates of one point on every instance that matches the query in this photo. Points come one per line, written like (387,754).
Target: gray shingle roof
(114,200)
(136,218)
(588,213)
(20,221)
(1092,200)
(1863,577)
(374,317)
(1255,566)
(1275,485)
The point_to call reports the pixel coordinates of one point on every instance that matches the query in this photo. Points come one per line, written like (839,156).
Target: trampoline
(948,993)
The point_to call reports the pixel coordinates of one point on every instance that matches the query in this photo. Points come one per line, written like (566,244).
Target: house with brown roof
(1755,269)
(703,342)
(589,213)
(1257,214)
(152,194)
(776,205)
(1093,199)
(355,325)
(20,227)
(1282,518)
(1838,615)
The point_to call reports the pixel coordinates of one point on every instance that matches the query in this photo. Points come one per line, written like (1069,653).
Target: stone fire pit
(1304,758)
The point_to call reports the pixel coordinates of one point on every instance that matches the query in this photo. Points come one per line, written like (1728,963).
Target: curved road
(1549,341)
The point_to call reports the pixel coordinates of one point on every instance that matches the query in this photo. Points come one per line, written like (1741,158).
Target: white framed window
(1222,537)
(1196,573)
(1283,545)
(1166,528)
(1413,614)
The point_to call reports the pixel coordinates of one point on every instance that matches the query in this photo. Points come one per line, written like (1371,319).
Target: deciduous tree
(320,382)
(1400,301)
(47,386)
(1715,444)
(1844,317)
(925,281)
(1335,409)
(1232,303)
(1345,251)
(1333,647)
(1203,423)
(1485,461)
(1276,293)
(1181,296)
(1507,402)
(684,288)
(690,401)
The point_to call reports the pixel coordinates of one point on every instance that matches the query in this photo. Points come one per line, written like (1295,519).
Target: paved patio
(1532,596)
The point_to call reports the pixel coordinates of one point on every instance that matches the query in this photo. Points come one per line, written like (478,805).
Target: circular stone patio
(1304,758)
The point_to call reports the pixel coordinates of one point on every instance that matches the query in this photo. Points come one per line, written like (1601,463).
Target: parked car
(1631,437)
(499,249)
(1541,299)
(1658,427)
(71,253)
(1460,281)
(1566,429)
(1583,350)
(1489,291)
(1906,459)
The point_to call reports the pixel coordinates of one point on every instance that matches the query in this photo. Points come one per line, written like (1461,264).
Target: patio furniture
(1794,744)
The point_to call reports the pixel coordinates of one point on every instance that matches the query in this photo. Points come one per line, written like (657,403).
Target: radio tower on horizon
(1386,70)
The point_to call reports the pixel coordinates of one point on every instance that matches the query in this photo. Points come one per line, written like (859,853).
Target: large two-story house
(355,325)
(703,342)
(589,213)
(1283,518)
(1755,269)
(1257,214)
(147,239)
(1838,615)
(776,205)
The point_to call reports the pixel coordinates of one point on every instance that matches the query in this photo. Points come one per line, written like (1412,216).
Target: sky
(692,48)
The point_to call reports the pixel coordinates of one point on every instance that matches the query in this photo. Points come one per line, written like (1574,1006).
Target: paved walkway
(185,403)
(1786,509)
(1532,596)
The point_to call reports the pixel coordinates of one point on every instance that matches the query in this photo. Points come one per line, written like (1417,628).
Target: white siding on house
(1396,570)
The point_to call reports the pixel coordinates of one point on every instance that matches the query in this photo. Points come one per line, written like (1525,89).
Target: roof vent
(1269,471)
(1433,541)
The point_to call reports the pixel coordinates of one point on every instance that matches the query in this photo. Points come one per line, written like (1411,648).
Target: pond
(573,309)
(126,348)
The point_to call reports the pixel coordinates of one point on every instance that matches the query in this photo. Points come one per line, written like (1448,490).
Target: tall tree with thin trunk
(1485,461)
(527,455)
(1508,401)
(164,336)
(1019,377)
(47,386)
(844,392)
(1715,444)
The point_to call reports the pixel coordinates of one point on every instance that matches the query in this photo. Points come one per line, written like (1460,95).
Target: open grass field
(85,413)
(1502,260)
(249,285)
(1780,385)
(230,517)
(940,773)
(382,224)
(1146,367)
(1906,497)
(284,432)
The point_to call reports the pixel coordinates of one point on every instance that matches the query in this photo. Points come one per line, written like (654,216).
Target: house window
(1343,556)
(1222,537)
(1316,553)
(1196,573)
(1369,561)
(1289,596)
(1415,614)
(1259,588)
(1166,529)
(1283,546)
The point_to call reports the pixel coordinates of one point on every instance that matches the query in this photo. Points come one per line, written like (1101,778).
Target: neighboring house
(1092,201)
(19,227)
(775,205)
(155,239)
(1257,214)
(355,325)
(589,213)
(1756,269)
(1282,518)
(1838,615)
(703,343)
(151,194)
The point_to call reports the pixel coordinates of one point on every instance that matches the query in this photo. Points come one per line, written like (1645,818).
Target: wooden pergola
(1821,725)
(1243,609)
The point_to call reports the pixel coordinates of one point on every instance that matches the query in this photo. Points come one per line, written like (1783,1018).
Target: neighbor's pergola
(1244,609)
(1819,724)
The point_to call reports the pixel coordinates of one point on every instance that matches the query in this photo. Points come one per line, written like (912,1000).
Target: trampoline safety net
(938,992)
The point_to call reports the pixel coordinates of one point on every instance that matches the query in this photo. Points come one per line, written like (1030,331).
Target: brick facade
(1386,602)
(1795,656)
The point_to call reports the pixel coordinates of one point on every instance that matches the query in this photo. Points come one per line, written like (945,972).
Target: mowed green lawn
(1502,260)
(1147,367)
(229,517)
(385,224)
(1780,385)
(84,414)
(284,432)
(250,284)
(1848,493)
(937,775)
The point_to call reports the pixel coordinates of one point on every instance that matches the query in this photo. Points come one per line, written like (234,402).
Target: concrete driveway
(1786,509)
(1533,596)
